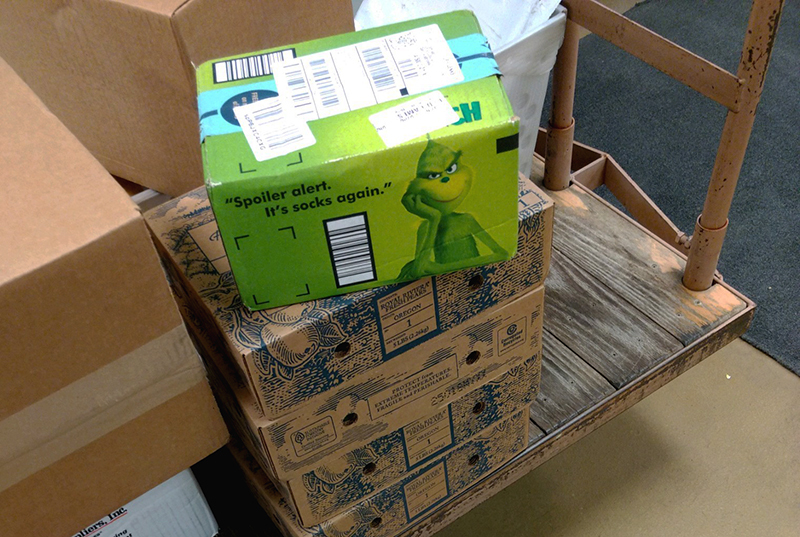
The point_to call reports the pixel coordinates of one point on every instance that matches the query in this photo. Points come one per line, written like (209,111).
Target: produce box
(360,160)
(389,511)
(119,73)
(480,351)
(293,355)
(339,481)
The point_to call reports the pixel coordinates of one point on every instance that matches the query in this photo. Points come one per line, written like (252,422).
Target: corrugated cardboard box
(119,73)
(350,154)
(99,376)
(332,487)
(450,365)
(339,480)
(387,512)
(175,508)
(291,355)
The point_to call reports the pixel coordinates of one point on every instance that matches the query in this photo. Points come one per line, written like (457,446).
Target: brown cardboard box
(102,396)
(293,355)
(392,510)
(356,413)
(119,73)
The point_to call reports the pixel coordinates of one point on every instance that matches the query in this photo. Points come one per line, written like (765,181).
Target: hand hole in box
(376,522)
(341,349)
(473,357)
(350,419)
(369,468)
(478,408)
(473,460)
(475,282)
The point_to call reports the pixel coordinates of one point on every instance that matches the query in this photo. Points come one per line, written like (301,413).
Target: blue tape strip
(216,106)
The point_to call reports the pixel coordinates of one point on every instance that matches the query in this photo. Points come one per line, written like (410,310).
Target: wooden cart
(631,302)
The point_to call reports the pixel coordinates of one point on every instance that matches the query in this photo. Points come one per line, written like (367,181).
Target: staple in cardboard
(290,356)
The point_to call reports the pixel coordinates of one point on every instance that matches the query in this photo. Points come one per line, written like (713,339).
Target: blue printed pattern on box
(340,482)
(390,511)
(292,354)
(503,337)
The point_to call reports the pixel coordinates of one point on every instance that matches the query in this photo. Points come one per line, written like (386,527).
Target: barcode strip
(249,66)
(350,249)
(299,92)
(378,69)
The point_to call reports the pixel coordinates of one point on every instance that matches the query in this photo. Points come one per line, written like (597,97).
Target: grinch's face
(442,179)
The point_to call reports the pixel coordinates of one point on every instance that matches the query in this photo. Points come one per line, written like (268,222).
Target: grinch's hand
(413,270)
(415,204)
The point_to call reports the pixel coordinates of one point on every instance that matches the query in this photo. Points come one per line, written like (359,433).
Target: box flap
(56,196)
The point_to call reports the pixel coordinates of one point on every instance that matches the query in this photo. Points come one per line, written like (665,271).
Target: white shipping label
(413,118)
(376,71)
(271,129)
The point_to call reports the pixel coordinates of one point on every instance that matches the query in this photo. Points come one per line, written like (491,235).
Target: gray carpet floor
(666,135)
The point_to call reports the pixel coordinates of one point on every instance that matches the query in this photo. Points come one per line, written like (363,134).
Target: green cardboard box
(365,159)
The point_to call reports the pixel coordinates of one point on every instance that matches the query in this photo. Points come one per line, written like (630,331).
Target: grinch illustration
(445,238)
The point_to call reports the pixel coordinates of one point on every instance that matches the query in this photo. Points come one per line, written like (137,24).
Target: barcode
(249,66)
(350,249)
(378,69)
(271,121)
(299,93)
(407,69)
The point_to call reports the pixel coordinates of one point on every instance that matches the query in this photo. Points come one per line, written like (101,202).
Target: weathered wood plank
(596,324)
(636,266)
(568,386)
(585,423)
(534,433)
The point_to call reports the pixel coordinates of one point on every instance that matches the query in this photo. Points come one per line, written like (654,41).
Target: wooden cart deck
(618,325)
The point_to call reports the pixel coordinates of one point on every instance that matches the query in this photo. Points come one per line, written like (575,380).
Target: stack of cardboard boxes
(367,409)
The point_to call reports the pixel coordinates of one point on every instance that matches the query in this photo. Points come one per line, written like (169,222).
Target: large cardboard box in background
(102,396)
(119,73)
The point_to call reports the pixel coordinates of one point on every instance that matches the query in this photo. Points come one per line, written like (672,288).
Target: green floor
(714,453)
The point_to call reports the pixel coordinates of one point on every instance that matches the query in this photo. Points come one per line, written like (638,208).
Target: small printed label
(209,241)
(376,71)
(272,129)
(427,437)
(511,336)
(426,491)
(314,437)
(413,118)
(414,387)
(252,66)
(407,315)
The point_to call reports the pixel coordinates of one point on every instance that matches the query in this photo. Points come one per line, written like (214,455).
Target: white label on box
(273,129)
(426,491)
(407,315)
(414,387)
(427,436)
(376,71)
(413,118)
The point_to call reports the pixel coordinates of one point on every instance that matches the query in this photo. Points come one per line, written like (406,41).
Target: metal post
(713,221)
(561,128)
